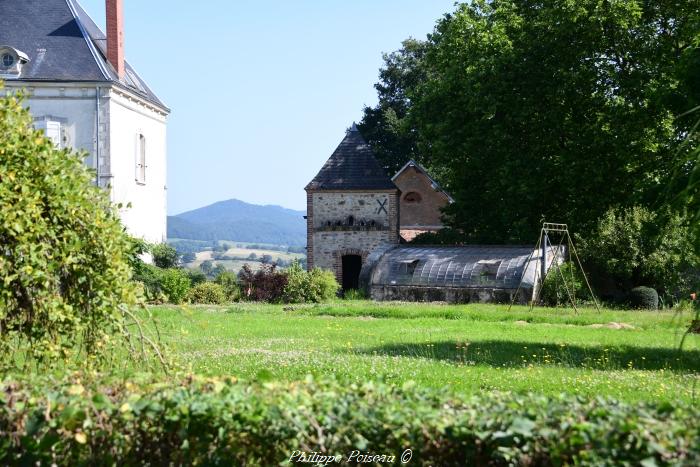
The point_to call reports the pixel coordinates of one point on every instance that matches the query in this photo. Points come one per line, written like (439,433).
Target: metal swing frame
(549,230)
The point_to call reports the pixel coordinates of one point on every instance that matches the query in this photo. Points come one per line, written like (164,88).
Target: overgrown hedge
(224,422)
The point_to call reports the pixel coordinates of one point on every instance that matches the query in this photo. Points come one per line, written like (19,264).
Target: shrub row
(268,284)
(295,285)
(224,422)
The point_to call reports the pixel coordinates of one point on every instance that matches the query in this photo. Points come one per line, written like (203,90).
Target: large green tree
(386,126)
(549,109)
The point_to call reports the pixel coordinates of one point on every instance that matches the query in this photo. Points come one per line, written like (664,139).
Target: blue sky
(261,92)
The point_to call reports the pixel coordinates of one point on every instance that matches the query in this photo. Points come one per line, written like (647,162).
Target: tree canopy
(551,109)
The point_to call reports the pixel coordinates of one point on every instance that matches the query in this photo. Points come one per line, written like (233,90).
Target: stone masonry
(349,223)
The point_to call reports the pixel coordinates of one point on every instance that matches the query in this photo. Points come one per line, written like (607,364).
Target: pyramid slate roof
(352,166)
(63,44)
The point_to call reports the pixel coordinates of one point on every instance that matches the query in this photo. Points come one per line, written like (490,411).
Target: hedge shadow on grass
(497,353)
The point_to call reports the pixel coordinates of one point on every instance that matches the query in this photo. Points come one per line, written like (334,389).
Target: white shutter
(140,158)
(52,129)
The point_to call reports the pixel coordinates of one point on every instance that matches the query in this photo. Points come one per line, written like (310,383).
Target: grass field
(236,264)
(467,349)
(245,252)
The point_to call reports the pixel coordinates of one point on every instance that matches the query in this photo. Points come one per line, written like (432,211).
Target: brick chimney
(115,35)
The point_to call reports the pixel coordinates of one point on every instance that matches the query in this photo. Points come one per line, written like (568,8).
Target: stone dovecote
(352,209)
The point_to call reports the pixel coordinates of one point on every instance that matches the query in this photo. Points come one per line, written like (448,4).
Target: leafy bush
(196,276)
(163,285)
(314,286)
(164,256)
(323,284)
(150,277)
(229,282)
(296,290)
(567,276)
(644,298)
(224,422)
(137,249)
(64,257)
(638,246)
(207,293)
(265,285)
(175,283)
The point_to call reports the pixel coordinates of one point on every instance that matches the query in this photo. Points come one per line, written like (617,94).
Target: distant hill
(239,221)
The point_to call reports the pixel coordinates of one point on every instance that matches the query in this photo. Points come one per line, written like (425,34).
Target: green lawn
(467,349)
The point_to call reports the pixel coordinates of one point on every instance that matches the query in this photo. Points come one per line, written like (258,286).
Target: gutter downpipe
(97,135)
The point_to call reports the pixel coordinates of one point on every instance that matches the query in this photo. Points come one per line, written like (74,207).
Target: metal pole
(543,271)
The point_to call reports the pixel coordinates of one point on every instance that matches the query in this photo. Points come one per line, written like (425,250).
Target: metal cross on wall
(382,206)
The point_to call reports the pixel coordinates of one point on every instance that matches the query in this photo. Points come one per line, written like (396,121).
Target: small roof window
(7,60)
(412,197)
(11,62)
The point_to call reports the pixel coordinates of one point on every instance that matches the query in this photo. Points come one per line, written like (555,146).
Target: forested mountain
(240,221)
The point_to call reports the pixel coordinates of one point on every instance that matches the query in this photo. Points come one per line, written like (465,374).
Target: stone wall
(349,223)
(427,211)
(449,294)
(334,209)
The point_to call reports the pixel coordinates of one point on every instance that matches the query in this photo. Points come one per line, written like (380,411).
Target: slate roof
(352,166)
(63,44)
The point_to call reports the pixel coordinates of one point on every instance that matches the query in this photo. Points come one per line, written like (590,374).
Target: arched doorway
(352,265)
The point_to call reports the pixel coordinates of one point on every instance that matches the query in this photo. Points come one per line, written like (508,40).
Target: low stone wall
(448,294)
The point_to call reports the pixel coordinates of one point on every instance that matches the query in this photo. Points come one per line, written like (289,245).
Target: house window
(412,197)
(141,159)
(52,128)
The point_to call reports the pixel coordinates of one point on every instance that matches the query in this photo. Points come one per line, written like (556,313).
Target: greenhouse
(460,274)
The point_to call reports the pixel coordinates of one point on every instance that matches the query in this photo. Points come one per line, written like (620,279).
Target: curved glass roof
(464,266)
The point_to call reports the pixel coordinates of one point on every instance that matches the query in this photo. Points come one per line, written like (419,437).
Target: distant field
(468,349)
(244,253)
(237,264)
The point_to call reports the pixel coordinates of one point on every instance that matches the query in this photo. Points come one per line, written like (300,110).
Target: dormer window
(11,62)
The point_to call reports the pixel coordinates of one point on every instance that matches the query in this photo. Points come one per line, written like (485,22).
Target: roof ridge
(88,39)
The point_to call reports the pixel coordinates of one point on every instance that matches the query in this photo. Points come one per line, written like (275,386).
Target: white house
(84,95)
